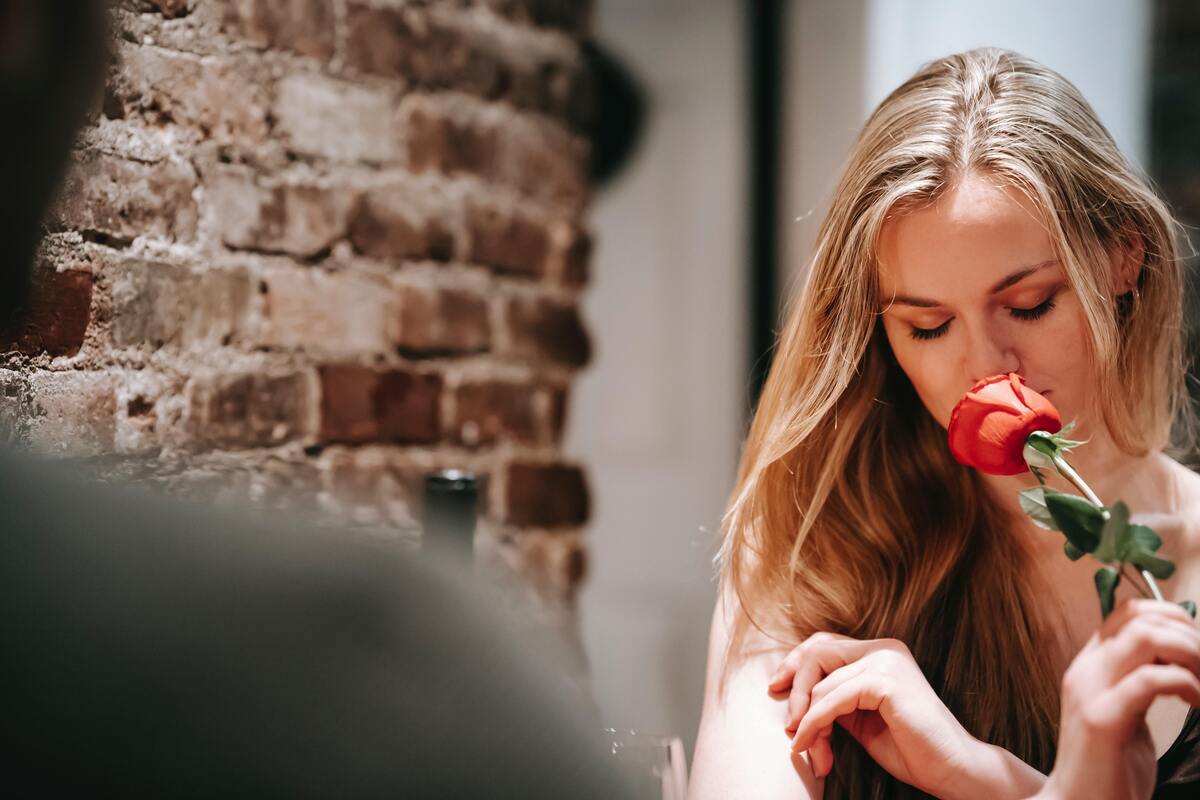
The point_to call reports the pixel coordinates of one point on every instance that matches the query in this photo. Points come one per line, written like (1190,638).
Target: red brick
(160,304)
(490,411)
(325,312)
(360,405)
(543,329)
(434,321)
(306,26)
(507,239)
(297,217)
(412,44)
(55,316)
(440,48)
(403,221)
(248,409)
(556,414)
(326,118)
(125,199)
(533,155)
(545,495)
(211,95)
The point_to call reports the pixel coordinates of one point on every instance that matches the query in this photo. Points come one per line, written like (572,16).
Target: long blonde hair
(849,513)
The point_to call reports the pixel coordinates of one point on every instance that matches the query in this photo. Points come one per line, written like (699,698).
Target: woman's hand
(876,691)
(1144,649)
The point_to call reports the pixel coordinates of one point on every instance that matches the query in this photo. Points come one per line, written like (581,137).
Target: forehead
(975,233)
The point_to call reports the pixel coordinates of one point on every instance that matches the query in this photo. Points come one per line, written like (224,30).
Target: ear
(1125,259)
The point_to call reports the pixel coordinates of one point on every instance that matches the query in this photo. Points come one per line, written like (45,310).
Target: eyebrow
(1001,285)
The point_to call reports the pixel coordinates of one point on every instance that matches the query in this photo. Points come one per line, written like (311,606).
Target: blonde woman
(890,624)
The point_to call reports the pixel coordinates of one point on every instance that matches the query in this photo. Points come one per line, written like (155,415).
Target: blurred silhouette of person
(155,648)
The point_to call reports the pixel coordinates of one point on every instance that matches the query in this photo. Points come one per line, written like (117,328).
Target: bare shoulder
(742,749)
(1180,531)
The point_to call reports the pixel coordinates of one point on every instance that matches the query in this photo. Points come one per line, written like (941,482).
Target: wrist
(994,773)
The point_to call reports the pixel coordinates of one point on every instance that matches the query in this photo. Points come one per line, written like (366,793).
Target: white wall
(657,417)
(1102,46)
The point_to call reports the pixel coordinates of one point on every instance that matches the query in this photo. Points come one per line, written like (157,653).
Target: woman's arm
(742,750)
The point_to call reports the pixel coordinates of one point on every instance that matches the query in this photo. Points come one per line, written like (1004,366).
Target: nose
(987,355)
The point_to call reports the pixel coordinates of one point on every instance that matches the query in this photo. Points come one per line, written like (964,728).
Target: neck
(1111,473)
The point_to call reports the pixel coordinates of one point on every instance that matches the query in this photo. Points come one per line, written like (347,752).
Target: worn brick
(339,313)
(70,414)
(297,217)
(553,563)
(14,406)
(430,321)
(306,26)
(210,94)
(458,134)
(437,48)
(411,43)
(251,409)
(374,485)
(545,495)
(327,118)
(168,8)
(488,411)
(542,329)
(124,199)
(507,239)
(403,220)
(54,318)
(161,304)
(360,404)
(569,254)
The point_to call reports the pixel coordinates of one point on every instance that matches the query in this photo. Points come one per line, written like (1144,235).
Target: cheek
(937,386)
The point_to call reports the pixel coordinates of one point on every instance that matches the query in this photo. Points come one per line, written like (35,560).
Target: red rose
(990,424)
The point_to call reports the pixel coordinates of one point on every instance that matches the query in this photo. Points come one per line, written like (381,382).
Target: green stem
(1068,472)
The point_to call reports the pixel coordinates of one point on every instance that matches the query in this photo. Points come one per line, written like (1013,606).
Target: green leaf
(1073,552)
(1160,568)
(1189,607)
(1113,534)
(1140,538)
(1066,429)
(1107,579)
(1079,520)
(1033,503)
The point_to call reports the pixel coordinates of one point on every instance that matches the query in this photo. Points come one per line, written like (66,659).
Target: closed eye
(1040,310)
(1024,314)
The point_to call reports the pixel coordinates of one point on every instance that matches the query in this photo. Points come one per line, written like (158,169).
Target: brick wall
(312,249)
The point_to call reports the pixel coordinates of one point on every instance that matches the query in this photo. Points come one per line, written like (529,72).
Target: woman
(985,223)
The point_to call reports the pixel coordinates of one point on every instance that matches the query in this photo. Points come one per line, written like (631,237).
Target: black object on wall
(764,28)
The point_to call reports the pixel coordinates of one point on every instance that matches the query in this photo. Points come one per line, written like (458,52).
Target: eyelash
(1023,314)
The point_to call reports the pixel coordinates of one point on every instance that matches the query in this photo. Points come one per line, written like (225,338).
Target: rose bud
(990,424)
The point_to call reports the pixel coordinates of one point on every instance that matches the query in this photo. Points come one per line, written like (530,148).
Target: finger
(1137,690)
(1137,606)
(798,707)
(822,659)
(821,753)
(864,692)
(1145,640)
(781,679)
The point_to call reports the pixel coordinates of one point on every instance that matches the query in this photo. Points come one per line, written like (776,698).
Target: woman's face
(970,287)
